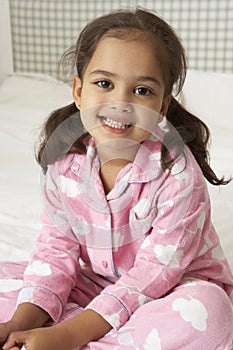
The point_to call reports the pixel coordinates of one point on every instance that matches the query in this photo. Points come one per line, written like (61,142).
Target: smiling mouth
(115,124)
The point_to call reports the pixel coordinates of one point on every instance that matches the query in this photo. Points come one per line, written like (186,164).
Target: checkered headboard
(42,29)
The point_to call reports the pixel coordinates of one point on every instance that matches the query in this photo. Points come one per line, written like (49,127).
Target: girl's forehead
(111,49)
(115,48)
(139,46)
(127,58)
(128,35)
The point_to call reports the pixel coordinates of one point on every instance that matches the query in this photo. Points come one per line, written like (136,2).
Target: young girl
(127,257)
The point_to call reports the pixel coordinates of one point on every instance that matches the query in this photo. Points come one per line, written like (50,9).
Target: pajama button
(105,264)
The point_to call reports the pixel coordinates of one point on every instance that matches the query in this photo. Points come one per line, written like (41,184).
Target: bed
(30,90)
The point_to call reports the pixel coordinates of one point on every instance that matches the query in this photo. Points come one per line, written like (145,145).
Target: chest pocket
(141,218)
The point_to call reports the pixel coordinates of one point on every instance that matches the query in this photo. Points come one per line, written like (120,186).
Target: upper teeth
(115,124)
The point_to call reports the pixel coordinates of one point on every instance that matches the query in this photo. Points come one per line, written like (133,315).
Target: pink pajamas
(198,311)
(145,256)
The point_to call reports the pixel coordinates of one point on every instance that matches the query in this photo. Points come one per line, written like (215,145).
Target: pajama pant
(195,315)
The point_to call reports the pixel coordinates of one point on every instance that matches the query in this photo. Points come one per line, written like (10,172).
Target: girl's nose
(122,107)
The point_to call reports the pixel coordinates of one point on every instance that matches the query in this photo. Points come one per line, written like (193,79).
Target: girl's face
(121,94)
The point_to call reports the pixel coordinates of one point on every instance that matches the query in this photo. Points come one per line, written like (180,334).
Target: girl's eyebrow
(103,72)
(140,77)
(149,78)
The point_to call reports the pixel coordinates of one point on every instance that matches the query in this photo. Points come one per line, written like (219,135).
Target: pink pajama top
(151,231)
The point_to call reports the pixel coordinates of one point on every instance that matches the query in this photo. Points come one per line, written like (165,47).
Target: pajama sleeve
(52,270)
(167,251)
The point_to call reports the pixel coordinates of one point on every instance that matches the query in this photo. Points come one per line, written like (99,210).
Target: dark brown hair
(142,25)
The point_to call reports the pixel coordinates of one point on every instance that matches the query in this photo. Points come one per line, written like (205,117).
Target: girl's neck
(113,156)
(117,152)
(109,172)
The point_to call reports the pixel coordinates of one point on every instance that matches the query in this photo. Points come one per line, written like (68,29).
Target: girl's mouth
(114,124)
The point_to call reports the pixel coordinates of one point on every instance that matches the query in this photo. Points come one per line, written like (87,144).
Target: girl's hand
(6,328)
(51,338)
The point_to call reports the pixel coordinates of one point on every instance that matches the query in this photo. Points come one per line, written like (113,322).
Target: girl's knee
(213,298)
(194,315)
(208,309)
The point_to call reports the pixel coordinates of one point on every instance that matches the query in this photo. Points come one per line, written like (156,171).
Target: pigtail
(195,134)
(61,134)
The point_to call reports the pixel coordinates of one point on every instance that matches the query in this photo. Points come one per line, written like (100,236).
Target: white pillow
(209,96)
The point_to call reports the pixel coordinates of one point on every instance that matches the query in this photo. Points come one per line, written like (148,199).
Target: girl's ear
(76,90)
(165,105)
(164,108)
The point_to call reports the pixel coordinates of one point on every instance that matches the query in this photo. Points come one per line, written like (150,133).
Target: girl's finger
(11,346)
(15,341)
(15,347)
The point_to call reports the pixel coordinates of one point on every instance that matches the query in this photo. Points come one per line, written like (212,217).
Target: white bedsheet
(25,101)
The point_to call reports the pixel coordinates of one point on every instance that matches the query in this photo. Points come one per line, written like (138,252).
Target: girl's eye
(142,91)
(105,84)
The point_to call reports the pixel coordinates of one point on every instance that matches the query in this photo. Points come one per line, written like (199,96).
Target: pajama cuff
(43,298)
(111,309)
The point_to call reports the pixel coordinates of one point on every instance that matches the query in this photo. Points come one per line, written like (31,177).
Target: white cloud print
(70,187)
(168,255)
(153,341)
(81,227)
(142,207)
(9,285)
(125,338)
(38,268)
(192,311)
